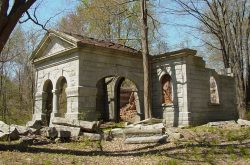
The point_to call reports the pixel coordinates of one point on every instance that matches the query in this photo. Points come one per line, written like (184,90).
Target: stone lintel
(81,91)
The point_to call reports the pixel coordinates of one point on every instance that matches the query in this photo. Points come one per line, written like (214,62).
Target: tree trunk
(146,66)
(241,94)
(10,17)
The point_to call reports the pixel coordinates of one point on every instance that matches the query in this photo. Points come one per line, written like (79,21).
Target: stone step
(144,140)
(138,132)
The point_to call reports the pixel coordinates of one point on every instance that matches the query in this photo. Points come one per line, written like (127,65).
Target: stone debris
(145,133)
(49,132)
(90,126)
(36,124)
(242,122)
(34,140)
(173,134)
(117,132)
(74,131)
(221,123)
(22,130)
(64,134)
(67,130)
(150,121)
(9,131)
(143,140)
(92,136)
(138,132)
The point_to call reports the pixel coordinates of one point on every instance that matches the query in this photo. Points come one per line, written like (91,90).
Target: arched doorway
(117,99)
(47,101)
(127,100)
(61,86)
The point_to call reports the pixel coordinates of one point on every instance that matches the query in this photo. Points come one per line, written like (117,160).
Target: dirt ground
(199,145)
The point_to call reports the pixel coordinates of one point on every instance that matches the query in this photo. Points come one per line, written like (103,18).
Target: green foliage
(112,20)
(16,80)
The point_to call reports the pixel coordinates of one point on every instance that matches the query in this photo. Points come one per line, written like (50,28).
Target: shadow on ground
(179,152)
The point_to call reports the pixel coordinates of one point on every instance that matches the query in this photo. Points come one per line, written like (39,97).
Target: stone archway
(128,104)
(47,101)
(117,99)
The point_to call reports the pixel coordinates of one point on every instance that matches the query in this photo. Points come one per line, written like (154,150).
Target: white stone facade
(84,65)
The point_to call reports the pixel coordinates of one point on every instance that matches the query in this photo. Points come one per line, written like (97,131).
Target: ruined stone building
(84,78)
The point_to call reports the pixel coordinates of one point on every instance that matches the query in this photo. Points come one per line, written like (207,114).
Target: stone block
(242,122)
(92,136)
(22,130)
(143,140)
(37,124)
(63,134)
(49,132)
(74,131)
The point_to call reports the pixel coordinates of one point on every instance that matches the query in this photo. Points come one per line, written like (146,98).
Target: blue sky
(174,35)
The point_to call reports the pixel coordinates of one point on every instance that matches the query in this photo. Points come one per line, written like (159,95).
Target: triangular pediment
(53,44)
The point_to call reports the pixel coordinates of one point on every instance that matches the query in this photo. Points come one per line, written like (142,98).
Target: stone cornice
(55,55)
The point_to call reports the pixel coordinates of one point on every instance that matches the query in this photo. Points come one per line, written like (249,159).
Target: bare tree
(228,21)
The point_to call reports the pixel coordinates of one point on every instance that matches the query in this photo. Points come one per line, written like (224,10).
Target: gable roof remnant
(101,43)
(80,41)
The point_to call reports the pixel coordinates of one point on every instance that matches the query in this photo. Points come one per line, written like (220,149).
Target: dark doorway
(47,101)
(62,106)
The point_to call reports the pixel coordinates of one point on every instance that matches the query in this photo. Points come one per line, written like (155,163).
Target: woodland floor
(200,145)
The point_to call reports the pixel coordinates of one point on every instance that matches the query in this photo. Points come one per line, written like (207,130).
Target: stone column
(55,108)
(40,98)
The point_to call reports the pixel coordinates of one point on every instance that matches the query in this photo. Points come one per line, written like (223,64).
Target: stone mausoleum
(88,79)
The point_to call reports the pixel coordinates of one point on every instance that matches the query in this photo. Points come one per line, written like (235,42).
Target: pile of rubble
(62,129)
(146,131)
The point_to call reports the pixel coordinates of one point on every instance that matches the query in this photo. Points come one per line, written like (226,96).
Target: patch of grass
(230,149)
(172,162)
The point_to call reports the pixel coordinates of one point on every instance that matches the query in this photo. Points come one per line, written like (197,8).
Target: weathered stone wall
(96,64)
(53,69)
(177,113)
(190,91)
(200,105)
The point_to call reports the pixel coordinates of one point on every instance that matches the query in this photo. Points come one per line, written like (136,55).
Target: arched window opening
(47,101)
(166,85)
(214,95)
(61,87)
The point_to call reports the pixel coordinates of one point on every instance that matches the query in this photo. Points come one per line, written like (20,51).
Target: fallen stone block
(221,123)
(74,131)
(33,131)
(92,136)
(26,140)
(117,132)
(149,121)
(37,124)
(138,132)
(22,130)
(9,130)
(143,140)
(49,132)
(85,125)
(151,126)
(242,122)
(63,134)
